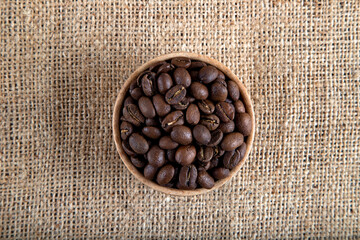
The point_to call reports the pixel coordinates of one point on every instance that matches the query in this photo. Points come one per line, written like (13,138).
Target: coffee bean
(239,106)
(206,106)
(150,172)
(201,134)
(138,162)
(151,122)
(147,83)
(225,111)
(126,129)
(136,93)
(203,166)
(156,66)
(146,107)
(170,154)
(187,177)
(151,132)
(210,121)
(233,89)
(232,141)
(205,180)
(182,105)
(216,137)
(126,147)
(220,173)
(165,68)
(182,77)
(133,115)
(156,156)
(164,83)
(227,127)
(181,135)
(199,91)
(231,159)
(214,163)
(166,142)
(165,174)
(181,62)
(218,152)
(218,92)
(185,155)
(205,154)
(193,114)
(161,107)
(221,75)
(128,100)
(243,123)
(194,75)
(175,94)
(208,74)
(242,150)
(172,119)
(197,65)
(138,143)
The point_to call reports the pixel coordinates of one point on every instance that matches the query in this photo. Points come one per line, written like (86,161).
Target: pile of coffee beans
(184,125)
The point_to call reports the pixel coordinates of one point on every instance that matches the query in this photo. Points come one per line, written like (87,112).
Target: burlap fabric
(63,63)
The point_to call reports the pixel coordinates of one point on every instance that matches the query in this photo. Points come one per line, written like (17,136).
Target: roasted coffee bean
(136,93)
(166,142)
(126,129)
(216,137)
(156,156)
(227,127)
(231,159)
(187,177)
(197,65)
(165,174)
(242,150)
(170,154)
(221,75)
(243,123)
(151,122)
(205,154)
(232,141)
(182,77)
(214,163)
(225,111)
(133,115)
(218,152)
(150,172)
(128,100)
(181,62)
(203,166)
(181,135)
(191,99)
(218,91)
(205,180)
(155,67)
(208,74)
(165,68)
(126,146)
(199,91)
(161,107)
(138,162)
(185,155)
(146,107)
(194,75)
(147,83)
(193,114)
(211,121)
(138,143)
(201,134)
(175,94)
(182,105)
(172,119)
(206,106)
(164,83)
(239,106)
(220,173)
(151,132)
(233,89)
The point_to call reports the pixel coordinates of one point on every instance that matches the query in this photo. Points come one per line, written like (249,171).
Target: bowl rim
(116,122)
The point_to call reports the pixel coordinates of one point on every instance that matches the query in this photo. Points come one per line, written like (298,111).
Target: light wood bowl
(118,108)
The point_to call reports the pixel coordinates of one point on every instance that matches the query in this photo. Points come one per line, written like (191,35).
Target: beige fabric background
(63,63)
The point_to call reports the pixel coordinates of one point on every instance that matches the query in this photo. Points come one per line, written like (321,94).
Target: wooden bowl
(118,108)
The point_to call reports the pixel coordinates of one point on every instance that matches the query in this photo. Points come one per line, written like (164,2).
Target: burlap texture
(63,63)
